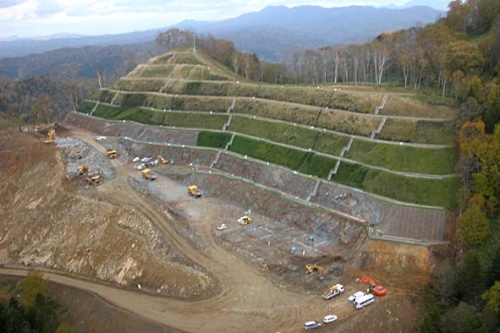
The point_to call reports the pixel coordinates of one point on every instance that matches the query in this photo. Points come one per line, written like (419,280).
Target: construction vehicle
(163,160)
(111,153)
(244,220)
(311,268)
(50,135)
(94,180)
(194,191)
(84,168)
(76,154)
(373,286)
(146,173)
(333,291)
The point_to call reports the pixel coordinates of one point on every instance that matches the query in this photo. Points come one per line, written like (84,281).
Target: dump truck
(94,180)
(147,174)
(111,153)
(333,291)
(194,191)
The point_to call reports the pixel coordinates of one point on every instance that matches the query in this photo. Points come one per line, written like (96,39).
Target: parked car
(329,319)
(309,325)
(221,227)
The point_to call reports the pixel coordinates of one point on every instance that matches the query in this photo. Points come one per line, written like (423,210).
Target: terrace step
(114,98)
(230,142)
(95,108)
(231,108)
(226,125)
(382,105)
(315,190)
(334,171)
(379,128)
(214,162)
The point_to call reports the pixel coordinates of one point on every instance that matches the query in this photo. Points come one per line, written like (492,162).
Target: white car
(309,325)
(353,297)
(222,227)
(329,319)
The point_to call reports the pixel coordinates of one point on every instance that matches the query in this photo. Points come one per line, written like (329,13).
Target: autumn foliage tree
(473,226)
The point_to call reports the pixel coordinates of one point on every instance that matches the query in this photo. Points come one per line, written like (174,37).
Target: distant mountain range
(271,33)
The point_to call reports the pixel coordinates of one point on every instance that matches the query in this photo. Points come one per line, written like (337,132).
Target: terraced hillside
(377,155)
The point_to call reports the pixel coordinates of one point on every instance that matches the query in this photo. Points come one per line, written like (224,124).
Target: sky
(29,18)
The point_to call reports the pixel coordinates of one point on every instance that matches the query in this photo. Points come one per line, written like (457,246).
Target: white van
(356,295)
(363,301)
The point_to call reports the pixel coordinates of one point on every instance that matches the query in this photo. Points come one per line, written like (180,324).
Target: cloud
(10,3)
(47,8)
(97,17)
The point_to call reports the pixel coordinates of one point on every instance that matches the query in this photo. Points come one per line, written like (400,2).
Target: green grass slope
(302,128)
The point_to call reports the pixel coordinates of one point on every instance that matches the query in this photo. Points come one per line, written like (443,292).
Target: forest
(28,306)
(455,61)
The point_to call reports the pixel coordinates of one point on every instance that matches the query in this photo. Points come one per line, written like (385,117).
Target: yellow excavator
(311,268)
(244,220)
(111,153)
(83,168)
(77,154)
(146,174)
(162,159)
(194,191)
(50,135)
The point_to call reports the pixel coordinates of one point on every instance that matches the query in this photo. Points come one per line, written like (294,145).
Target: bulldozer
(50,135)
(111,153)
(146,174)
(311,268)
(373,286)
(194,191)
(244,220)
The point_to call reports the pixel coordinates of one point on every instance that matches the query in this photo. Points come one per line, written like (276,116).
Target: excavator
(77,154)
(194,191)
(50,135)
(83,168)
(146,174)
(311,268)
(111,153)
(163,160)
(373,286)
